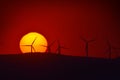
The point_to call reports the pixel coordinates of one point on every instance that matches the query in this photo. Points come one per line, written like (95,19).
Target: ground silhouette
(58,67)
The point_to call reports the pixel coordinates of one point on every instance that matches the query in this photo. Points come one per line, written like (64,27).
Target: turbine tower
(32,47)
(59,48)
(110,48)
(87,44)
(49,47)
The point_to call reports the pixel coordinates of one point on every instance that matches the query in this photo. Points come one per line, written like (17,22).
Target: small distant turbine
(32,47)
(110,48)
(87,44)
(49,47)
(59,48)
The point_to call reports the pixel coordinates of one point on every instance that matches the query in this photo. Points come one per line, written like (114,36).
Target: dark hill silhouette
(58,67)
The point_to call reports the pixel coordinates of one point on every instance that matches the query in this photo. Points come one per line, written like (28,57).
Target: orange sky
(61,20)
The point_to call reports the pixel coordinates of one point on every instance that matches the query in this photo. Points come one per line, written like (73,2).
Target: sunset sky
(63,20)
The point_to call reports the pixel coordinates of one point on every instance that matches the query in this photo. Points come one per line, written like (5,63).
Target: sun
(33,42)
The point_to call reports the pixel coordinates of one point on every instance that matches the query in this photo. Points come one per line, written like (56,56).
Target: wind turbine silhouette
(49,47)
(87,44)
(59,48)
(110,48)
(32,47)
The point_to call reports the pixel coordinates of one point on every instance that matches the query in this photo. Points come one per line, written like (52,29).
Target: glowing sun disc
(32,42)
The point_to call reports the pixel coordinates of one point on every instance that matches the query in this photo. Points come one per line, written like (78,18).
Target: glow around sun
(33,42)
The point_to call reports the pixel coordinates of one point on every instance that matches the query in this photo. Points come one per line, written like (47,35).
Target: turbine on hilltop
(59,48)
(49,47)
(110,48)
(87,42)
(32,47)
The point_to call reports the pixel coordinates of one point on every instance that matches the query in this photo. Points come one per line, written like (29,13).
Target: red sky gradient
(62,20)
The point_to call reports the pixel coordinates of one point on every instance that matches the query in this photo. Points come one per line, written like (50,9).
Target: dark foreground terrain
(49,66)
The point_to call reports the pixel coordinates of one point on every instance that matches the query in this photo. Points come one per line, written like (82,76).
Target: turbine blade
(33,48)
(52,43)
(34,40)
(83,39)
(91,41)
(64,47)
(43,45)
(25,45)
(115,48)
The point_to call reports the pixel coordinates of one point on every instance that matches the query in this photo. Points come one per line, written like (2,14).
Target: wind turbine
(87,44)
(110,48)
(32,47)
(49,47)
(59,48)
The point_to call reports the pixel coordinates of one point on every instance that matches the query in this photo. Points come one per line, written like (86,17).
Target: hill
(58,67)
